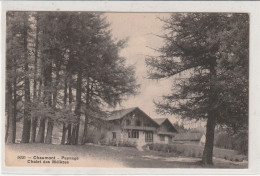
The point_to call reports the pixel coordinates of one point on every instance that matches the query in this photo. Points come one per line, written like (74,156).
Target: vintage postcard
(113,89)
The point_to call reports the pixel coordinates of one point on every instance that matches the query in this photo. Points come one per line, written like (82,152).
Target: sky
(140,28)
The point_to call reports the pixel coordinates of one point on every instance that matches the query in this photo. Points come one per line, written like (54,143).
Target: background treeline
(61,66)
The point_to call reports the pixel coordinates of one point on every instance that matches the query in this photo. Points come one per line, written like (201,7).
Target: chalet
(134,126)
(166,130)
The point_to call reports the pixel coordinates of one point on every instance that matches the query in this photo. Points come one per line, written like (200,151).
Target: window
(133,134)
(128,122)
(138,123)
(162,138)
(148,136)
(114,135)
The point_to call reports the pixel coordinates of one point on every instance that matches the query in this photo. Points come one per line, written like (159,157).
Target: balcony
(143,128)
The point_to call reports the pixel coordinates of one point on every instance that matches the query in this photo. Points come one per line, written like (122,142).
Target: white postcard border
(251,7)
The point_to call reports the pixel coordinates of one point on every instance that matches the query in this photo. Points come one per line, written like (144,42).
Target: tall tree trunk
(7,105)
(40,81)
(14,105)
(73,134)
(64,132)
(10,133)
(69,138)
(69,135)
(211,122)
(85,133)
(208,149)
(34,118)
(55,94)
(75,131)
(33,129)
(27,119)
(64,127)
(41,131)
(48,139)
(47,96)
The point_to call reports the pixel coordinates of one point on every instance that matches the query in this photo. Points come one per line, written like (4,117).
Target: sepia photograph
(126,90)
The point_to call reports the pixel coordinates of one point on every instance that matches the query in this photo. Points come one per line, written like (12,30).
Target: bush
(241,143)
(103,141)
(175,148)
(117,143)
(157,147)
(127,144)
(164,148)
(169,149)
(193,154)
(193,151)
(112,143)
(223,140)
(238,142)
(225,157)
(149,146)
(199,155)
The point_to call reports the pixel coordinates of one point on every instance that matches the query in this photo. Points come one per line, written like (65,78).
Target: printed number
(21,157)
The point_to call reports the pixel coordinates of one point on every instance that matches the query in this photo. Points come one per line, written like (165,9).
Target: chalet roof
(159,121)
(120,113)
(188,137)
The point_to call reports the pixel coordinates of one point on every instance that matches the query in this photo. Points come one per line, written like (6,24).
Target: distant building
(188,137)
(134,126)
(203,139)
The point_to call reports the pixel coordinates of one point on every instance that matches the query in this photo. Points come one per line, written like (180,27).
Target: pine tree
(198,55)
(34,119)
(27,99)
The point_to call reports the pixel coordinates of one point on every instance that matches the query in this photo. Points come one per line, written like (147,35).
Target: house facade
(134,126)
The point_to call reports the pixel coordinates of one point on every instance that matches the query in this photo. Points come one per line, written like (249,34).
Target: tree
(200,53)
(18,73)
(13,46)
(35,79)
(100,73)
(27,99)
(50,48)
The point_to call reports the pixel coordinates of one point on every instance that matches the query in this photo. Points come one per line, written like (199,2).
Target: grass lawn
(106,156)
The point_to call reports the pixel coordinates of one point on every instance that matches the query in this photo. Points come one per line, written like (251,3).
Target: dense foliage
(62,66)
